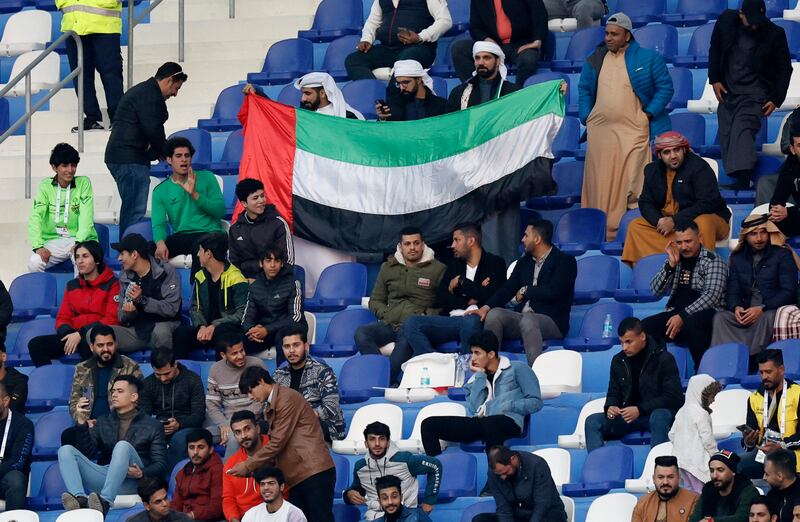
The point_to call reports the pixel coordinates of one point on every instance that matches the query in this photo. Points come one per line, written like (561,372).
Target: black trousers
(314,496)
(494,430)
(370,337)
(44,348)
(695,334)
(360,65)
(184,340)
(13,487)
(185,244)
(101,53)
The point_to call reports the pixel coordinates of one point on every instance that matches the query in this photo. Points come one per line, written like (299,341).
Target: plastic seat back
(361,95)
(26,31)
(691,125)
(725,362)
(360,377)
(581,229)
(33,294)
(335,55)
(598,277)
(47,438)
(661,38)
(611,508)
(559,462)
(558,372)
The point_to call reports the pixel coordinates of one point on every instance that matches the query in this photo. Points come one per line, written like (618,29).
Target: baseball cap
(620,19)
(133,243)
(754,12)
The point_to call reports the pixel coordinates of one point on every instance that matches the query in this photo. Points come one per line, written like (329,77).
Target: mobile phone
(402,30)
(744,428)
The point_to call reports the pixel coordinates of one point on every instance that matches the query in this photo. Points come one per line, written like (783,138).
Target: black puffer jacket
(275,303)
(776,276)
(182,399)
(247,240)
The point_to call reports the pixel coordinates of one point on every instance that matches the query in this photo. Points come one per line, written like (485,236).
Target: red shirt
(503,22)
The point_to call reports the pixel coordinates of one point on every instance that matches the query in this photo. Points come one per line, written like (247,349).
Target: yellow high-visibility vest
(91,16)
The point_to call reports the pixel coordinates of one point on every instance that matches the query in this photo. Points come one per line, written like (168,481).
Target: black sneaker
(89,126)
(70,501)
(98,503)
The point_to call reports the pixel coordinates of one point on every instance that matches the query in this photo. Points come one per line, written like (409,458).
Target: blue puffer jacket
(649,78)
(516,392)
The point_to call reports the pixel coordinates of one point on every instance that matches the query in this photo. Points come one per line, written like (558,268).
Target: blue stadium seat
(792,30)
(361,95)
(229,194)
(346,513)
(566,141)
(681,356)
(696,56)
(459,12)
(661,38)
(581,45)
(459,476)
(694,12)
(614,248)
(638,290)
(289,95)
(339,286)
(333,62)
(228,164)
(334,19)
(226,111)
(605,468)
(443,65)
(580,229)
(727,362)
(201,140)
(19,355)
(32,294)
(342,474)
(598,277)
(143,227)
(12,6)
(568,175)
(691,125)
(49,386)
(550,422)
(103,237)
(682,82)
(572,108)
(49,495)
(641,12)
(440,87)
(361,375)
(285,61)
(775,10)
(484,506)
(590,338)
(339,340)
(47,438)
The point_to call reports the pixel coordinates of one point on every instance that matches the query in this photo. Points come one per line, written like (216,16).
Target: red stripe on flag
(268,150)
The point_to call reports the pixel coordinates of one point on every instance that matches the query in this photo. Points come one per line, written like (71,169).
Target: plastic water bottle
(608,327)
(425,378)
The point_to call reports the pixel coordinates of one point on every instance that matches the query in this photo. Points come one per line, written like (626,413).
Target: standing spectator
(6,312)
(541,287)
(383,458)
(63,211)
(15,384)
(198,485)
(392,501)
(728,495)
(15,453)
(157,508)
(275,508)
(519,27)
(644,390)
(762,277)
(98,24)
(749,68)
(692,434)
(522,487)
(137,138)
(239,494)
(781,475)
(149,297)
(669,501)
(296,444)
(406,286)
(500,395)
(678,186)
(313,379)
(407,30)
(621,113)
(697,280)
(89,299)
(412,96)
(788,186)
(588,12)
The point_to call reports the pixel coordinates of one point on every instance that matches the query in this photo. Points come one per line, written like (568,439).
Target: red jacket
(88,302)
(198,489)
(239,494)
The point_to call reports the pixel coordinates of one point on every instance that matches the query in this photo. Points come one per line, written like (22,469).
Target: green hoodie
(80,211)
(174,205)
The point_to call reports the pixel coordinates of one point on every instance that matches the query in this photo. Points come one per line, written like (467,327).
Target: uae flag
(353,185)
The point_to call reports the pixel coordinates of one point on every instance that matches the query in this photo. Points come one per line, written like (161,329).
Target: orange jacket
(239,494)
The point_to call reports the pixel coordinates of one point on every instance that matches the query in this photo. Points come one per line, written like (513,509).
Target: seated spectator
(157,508)
(796,513)
(274,301)
(728,495)
(274,508)
(89,299)
(313,379)
(256,226)
(407,32)
(198,485)
(6,311)
(522,487)
(406,286)
(678,186)
(541,287)
(780,472)
(787,186)
(776,395)
(500,395)
(219,296)
(589,13)
(692,434)
(762,510)
(488,81)
(149,297)
(321,94)
(130,445)
(15,384)
(383,458)
(392,500)
(668,500)
(644,390)
(412,97)
(472,277)
(762,277)
(15,453)
(519,27)
(223,397)
(239,494)
(697,279)
(174,395)
(296,445)
(63,212)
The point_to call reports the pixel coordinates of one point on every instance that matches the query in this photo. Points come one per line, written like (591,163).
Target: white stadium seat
(80,515)
(353,443)
(44,76)
(19,515)
(612,507)
(559,462)
(558,371)
(729,410)
(439,409)
(26,31)
(644,483)
(577,439)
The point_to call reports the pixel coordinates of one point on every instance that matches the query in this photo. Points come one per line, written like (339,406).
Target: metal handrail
(30,109)
(231,9)
(134,21)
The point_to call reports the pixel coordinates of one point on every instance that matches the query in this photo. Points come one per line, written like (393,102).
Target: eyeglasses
(402,83)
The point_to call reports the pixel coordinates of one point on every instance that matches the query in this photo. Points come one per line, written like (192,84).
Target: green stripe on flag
(401,144)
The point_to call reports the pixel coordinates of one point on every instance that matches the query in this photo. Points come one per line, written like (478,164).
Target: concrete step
(241,29)
(217,10)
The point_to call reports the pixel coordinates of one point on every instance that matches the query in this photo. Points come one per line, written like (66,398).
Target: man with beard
(727,497)
(391,498)
(781,475)
(320,94)
(198,486)
(413,97)
(275,508)
(488,82)
(669,501)
(786,217)
(239,494)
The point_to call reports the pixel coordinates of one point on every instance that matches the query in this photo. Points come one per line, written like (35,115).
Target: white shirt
(471,271)
(287,513)
(442,21)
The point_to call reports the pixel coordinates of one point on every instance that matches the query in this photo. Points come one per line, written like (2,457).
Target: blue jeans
(599,427)
(81,474)
(133,185)
(423,332)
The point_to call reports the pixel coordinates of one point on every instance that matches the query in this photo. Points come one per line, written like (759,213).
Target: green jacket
(173,205)
(232,300)
(402,291)
(80,215)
